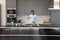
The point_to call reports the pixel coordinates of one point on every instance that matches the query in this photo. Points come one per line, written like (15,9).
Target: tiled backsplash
(41,18)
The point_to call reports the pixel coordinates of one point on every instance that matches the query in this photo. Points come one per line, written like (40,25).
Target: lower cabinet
(23,32)
(21,38)
(29,32)
(53,38)
(9,38)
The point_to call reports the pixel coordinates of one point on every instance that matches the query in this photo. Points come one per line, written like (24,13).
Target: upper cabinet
(51,4)
(56,5)
(11,4)
(11,10)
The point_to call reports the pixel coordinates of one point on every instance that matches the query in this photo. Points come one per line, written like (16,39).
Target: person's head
(32,12)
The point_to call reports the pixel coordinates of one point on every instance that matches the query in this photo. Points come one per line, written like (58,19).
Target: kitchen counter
(34,28)
(28,25)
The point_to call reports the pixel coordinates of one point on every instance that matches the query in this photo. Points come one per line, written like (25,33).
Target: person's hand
(33,22)
(24,24)
(28,17)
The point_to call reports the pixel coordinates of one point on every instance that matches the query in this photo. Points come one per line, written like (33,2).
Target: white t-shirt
(32,18)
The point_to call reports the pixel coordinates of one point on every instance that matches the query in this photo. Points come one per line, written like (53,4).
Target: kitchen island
(31,33)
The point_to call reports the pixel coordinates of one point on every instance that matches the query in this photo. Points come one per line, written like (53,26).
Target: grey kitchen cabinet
(24,32)
(51,3)
(21,38)
(11,3)
(11,6)
(10,38)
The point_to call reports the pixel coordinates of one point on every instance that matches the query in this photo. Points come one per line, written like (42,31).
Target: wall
(3,12)
(40,7)
(40,21)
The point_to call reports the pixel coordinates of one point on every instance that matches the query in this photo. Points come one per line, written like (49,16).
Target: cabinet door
(51,3)
(11,3)
(5,38)
(0,15)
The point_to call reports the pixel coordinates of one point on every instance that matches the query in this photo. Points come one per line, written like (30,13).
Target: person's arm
(28,17)
(36,19)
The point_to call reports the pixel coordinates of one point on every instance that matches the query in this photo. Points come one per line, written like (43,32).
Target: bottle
(16,24)
(12,23)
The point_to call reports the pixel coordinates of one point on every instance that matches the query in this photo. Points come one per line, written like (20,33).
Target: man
(32,18)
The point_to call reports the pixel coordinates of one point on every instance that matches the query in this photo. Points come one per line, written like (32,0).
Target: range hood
(56,5)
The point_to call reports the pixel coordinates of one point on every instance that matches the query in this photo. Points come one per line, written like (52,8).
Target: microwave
(11,15)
